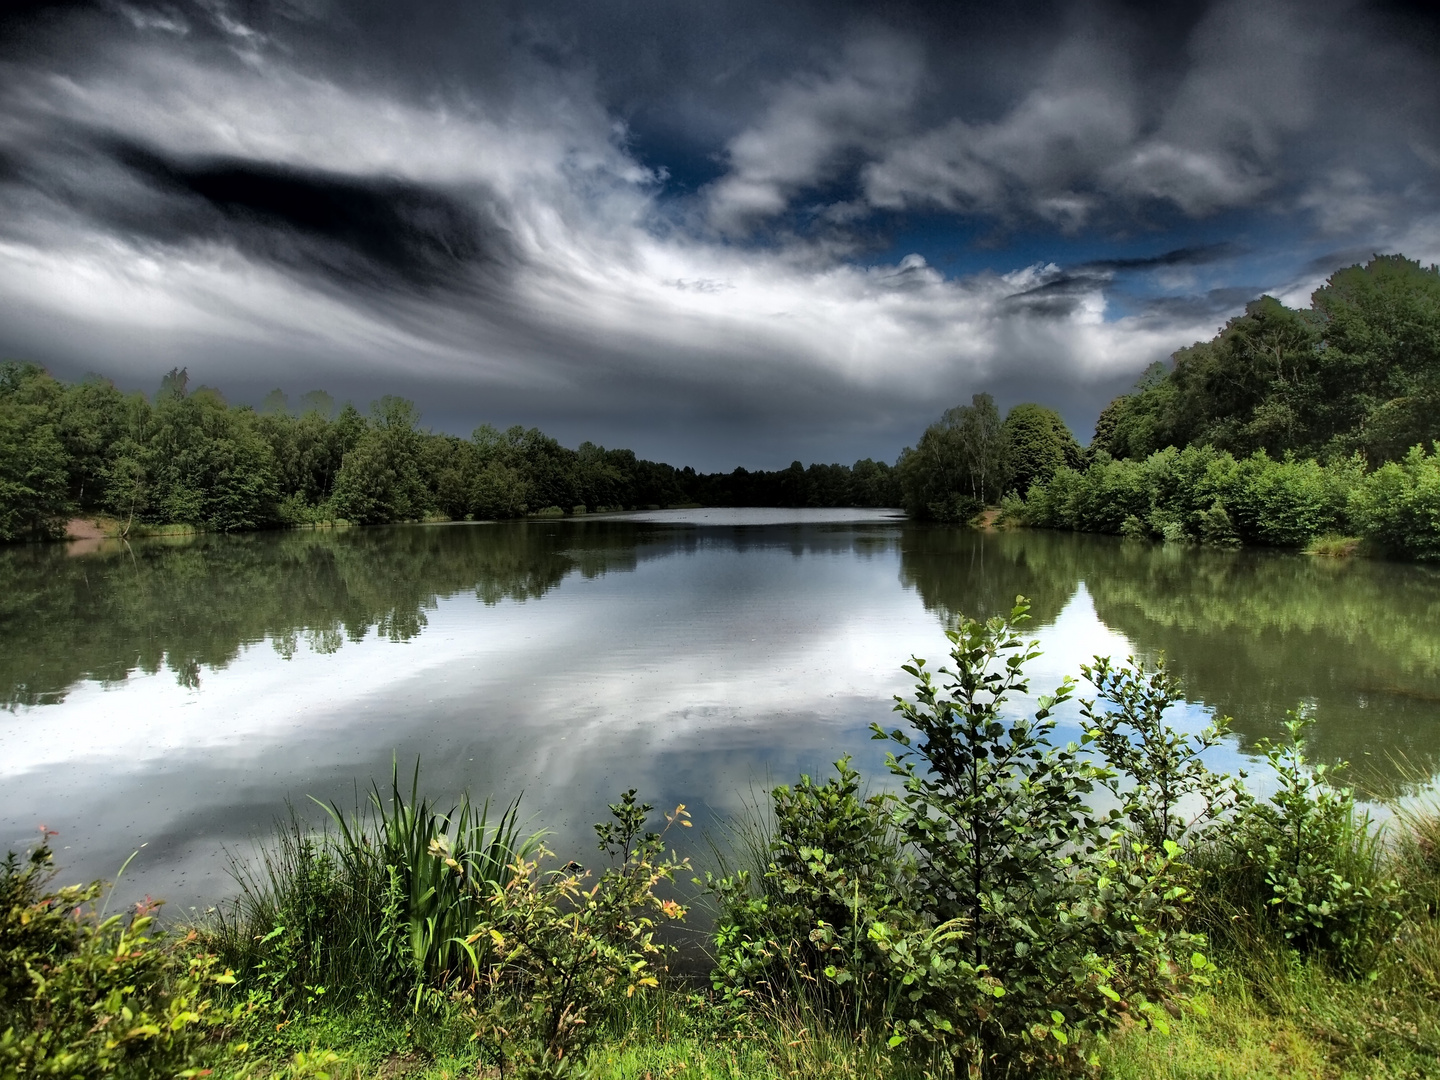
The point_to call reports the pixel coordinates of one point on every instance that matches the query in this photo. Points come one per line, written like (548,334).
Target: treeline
(866,483)
(187,457)
(1288,425)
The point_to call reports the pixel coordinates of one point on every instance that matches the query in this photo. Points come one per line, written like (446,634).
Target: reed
(375,909)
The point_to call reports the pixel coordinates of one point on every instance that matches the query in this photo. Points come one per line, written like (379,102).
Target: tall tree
(979,428)
(1036,442)
(34,467)
(1381,361)
(1359,370)
(957,466)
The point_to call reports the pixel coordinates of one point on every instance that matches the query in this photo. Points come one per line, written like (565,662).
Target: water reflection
(176,693)
(1252,633)
(192,603)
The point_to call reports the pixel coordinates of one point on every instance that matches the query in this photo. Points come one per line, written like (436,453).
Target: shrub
(1063,912)
(1012,510)
(1201,493)
(1283,503)
(376,910)
(83,994)
(1215,526)
(1159,778)
(548,955)
(986,915)
(1305,866)
(1398,504)
(835,872)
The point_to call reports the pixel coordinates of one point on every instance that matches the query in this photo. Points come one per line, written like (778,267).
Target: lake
(170,695)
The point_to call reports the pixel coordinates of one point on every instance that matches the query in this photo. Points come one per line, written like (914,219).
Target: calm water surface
(174,694)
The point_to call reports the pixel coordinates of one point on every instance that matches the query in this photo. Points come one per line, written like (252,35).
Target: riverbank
(85,534)
(1269,1014)
(1197,931)
(1201,495)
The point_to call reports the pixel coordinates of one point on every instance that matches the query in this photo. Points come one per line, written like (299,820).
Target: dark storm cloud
(377,231)
(1215,304)
(1185,256)
(661,222)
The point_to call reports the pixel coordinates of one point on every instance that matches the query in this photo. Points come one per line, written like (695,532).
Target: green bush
(1199,493)
(1283,503)
(550,956)
(1069,918)
(1398,505)
(375,912)
(1158,774)
(1315,860)
(807,921)
(986,915)
(83,994)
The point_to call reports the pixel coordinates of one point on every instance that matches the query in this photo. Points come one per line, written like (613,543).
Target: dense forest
(187,457)
(1286,426)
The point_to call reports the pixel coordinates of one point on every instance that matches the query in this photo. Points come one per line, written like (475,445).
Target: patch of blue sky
(1238,255)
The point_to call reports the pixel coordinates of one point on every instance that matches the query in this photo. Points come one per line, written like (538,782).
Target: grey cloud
(1091,133)
(1186,256)
(1044,154)
(486,206)
(814,120)
(1215,304)
(1060,293)
(378,231)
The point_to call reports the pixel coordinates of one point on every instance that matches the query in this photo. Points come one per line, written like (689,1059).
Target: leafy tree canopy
(1359,370)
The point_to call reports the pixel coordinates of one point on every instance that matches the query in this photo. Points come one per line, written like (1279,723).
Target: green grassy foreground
(1269,1014)
(1251,1028)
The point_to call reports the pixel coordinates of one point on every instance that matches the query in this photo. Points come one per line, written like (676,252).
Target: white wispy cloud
(514,246)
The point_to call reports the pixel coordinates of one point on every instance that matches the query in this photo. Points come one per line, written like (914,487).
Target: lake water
(171,695)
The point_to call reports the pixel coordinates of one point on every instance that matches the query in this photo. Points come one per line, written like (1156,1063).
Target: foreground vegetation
(1014,907)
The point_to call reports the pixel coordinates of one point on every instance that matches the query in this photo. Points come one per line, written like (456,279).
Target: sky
(721,233)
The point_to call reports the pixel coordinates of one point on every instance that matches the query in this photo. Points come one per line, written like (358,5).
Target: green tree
(209,465)
(34,466)
(1381,361)
(1062,909)
(1036,442)
(957,466)
(380,479)
(1359,370)
(93,419)
(1398,504)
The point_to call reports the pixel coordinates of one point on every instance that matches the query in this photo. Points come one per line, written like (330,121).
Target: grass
(1239,1030)
(1334,546)
(389,895)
